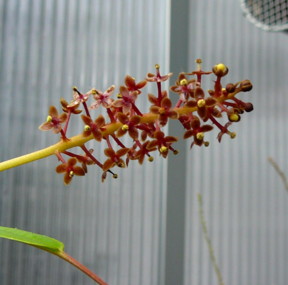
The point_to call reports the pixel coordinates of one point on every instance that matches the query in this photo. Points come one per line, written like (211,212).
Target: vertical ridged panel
(245,202)
(116,228)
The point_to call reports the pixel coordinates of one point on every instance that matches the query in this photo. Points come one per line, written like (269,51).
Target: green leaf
(43,242)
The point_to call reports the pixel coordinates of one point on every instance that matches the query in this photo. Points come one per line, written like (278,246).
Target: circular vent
(270,15)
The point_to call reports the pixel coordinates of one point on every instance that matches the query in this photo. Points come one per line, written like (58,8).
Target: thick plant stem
(79,140)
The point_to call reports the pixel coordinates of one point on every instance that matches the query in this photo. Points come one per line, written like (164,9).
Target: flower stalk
(123,117)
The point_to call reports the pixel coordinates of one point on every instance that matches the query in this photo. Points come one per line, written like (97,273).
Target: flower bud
(230,88)
(246,85)
(220,69)
(249,107)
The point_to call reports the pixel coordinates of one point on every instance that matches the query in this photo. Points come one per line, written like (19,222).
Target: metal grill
(270,15)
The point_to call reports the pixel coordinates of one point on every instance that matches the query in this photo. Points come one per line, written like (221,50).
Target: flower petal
(53,111)
(61,168)
(79,171)
(130,82)
(166,103)
(87,120)
(109,152)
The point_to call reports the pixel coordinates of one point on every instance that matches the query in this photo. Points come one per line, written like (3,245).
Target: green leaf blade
(41,241)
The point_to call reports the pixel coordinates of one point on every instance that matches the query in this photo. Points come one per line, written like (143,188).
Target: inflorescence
(198,112)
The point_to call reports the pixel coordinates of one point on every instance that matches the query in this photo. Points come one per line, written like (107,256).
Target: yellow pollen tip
(74,88)
(183,82)
(201,103)
(221,67)
(87,128)
(121,164)
(93,91)
(150,158)
(71,173)
(232,135)
(115,176)
(125,127)
(163,149)
(234,117)
(175,152)
(119,95)
(157,66)
(49,119)
(206,144)
(200,136)
(199,63)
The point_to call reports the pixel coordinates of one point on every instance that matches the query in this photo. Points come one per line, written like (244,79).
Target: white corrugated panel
(116,228)
(245,202)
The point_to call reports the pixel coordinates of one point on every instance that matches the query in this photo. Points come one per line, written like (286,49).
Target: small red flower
(127,99)
(54,121)
(94,128)
(70,169)
(197,131)
(132,85)
(129,125)
(162,143)
(102,98)
(79,97)
(157,77)
(164,111)
(140,154)
(72,109)
(184,87)
(114,158)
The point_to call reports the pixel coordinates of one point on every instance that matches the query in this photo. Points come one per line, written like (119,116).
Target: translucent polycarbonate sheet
(115,228)
(245,202)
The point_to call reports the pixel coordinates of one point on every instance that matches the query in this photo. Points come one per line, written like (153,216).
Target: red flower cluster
(196,111)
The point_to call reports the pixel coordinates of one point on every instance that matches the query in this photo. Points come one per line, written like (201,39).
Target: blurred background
(143,228)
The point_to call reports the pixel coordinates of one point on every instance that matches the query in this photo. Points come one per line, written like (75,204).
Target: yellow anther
(163,149)
(121,164)
(150,158)
(87,128)
(157,66)
(206,144)
(201,103)
(200,136)
(175,151)
(199,63)
(115,176)
(220,69)
(125,127)
(183,82)
(93,91)
(49,119)
(74,88)
(71,173)
(234,117)
(232,135)
(119,95)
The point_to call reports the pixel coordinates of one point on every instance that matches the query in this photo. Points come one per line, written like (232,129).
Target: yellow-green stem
(79,140)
